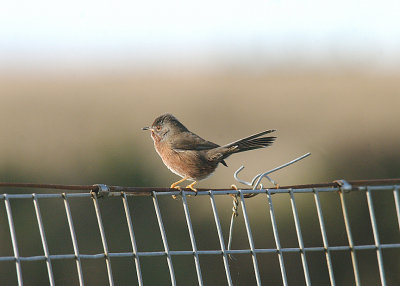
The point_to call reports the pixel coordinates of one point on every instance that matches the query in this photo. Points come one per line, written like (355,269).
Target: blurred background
(79,79)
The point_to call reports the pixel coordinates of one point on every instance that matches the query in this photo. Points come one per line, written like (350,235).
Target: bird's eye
(158,127)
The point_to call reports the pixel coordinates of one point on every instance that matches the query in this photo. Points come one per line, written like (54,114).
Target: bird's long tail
(249,143)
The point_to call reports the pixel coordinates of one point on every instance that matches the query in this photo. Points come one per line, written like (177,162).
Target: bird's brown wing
(189,141)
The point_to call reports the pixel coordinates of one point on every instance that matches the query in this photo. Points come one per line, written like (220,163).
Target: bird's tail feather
(249,143)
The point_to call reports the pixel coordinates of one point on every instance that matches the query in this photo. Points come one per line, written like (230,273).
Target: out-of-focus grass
(62,126)
(86,129)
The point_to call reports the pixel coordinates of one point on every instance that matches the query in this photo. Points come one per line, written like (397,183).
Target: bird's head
(164,126)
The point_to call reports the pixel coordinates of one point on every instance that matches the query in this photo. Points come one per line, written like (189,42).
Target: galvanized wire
(251,242)
(277,241)
(350,240)
(164,239)
(44,241)
(74,240)
(13,240)
(397,203)
(192,239)
(135,254)
(103,239)
(300,239)
(376,237)
(221,239)
(133,240)
(324,238)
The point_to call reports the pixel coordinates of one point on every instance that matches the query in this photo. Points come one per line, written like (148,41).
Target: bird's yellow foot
(191,187)
(175,186)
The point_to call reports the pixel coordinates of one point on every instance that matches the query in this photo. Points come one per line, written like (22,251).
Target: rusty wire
(147,191)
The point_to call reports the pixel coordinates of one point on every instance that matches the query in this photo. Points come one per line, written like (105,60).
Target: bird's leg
(191,187)
(175,185)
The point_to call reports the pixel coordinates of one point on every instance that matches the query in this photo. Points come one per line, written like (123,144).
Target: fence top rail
(147,191)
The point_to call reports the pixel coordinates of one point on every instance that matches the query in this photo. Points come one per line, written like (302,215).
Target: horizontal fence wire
(266,195)
(149,190)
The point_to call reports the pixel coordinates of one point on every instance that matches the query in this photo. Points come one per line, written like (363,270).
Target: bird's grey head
(164,125)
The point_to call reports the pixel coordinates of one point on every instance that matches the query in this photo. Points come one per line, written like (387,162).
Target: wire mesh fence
(289,236)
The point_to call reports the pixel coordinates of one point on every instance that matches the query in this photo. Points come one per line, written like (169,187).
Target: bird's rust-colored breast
(185,163)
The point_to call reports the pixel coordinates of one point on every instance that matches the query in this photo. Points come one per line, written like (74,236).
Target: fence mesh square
(319,235)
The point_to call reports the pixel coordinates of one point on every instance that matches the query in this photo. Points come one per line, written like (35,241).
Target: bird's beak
(147,128)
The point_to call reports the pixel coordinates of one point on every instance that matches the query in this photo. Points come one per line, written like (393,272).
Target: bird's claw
(177,188)
(193,189)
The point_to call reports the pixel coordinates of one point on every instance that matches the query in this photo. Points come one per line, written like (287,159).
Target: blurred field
(58,128)
(86,129)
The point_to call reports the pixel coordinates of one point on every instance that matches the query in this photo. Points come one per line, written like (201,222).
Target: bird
(192,157)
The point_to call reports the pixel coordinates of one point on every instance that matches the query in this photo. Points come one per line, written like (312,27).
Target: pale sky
(76,31)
